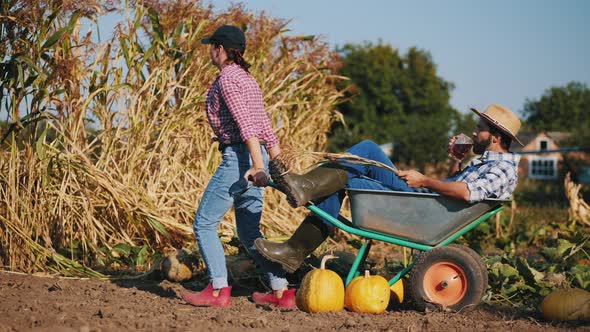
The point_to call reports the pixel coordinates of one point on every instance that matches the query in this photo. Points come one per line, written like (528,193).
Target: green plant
(524,281)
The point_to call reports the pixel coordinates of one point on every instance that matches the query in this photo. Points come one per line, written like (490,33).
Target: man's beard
(480,147)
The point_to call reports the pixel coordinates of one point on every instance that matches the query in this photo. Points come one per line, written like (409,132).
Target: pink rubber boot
(205,298)
(286,301)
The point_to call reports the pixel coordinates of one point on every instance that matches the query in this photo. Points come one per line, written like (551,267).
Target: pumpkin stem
(325,259)
(367,274)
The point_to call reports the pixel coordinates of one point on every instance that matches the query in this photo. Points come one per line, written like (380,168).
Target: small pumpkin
(177,266)
(567,304)
(321,290)
(368,294)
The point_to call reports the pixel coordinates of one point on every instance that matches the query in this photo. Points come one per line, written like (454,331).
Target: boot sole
(291,197)
(277,177)
(286,266)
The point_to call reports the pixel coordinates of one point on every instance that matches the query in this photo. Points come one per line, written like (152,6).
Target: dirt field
(58,304)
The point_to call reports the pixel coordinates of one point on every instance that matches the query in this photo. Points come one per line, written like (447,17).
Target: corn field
(107,141)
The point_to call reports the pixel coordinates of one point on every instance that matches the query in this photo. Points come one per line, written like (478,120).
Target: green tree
(562,109)
(394,98)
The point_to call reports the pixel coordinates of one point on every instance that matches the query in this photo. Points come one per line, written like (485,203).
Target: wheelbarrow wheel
(449,278)
(482,265)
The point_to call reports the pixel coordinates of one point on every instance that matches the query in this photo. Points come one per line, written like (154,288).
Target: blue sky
(496,51)
(499,51)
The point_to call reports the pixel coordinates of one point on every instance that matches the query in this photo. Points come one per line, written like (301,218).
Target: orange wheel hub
(445,283)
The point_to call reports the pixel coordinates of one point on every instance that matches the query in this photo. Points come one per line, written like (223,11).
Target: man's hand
(257,176)
(413,178)
(416,179)
(450,148)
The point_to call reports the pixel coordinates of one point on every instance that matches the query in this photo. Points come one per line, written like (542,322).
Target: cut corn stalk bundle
(579,210)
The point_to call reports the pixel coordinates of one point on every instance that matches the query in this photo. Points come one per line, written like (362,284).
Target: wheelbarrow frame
(369,235)
(373,235)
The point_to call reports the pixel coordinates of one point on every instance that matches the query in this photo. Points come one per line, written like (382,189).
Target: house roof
(526,138)
(558,136)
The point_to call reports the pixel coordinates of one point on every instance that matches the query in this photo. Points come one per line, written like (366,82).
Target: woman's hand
(257,176)
(413,178)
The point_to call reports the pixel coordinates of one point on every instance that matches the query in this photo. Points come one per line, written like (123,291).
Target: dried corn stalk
(348,158)
(579,210)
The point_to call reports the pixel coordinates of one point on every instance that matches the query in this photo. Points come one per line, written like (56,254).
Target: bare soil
(44,303)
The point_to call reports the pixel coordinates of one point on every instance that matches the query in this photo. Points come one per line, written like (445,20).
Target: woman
(236,114)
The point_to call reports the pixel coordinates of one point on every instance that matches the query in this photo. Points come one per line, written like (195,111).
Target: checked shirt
(493,175)
(235,108)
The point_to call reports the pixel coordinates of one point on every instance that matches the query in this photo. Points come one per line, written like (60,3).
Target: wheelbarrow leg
(359,261)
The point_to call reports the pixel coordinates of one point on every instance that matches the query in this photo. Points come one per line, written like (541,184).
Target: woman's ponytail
(234,55)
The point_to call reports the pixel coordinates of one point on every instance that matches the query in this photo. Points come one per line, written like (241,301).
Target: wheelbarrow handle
(268,184)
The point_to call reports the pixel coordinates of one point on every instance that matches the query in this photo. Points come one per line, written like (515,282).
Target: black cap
(229,36)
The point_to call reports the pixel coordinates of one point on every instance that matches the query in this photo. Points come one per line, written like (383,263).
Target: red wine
(459,151)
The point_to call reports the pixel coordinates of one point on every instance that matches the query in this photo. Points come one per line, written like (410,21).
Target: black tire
(482,265)
(449,278)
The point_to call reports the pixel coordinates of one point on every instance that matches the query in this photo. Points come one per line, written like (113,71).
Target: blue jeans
(365,177)
(227,188)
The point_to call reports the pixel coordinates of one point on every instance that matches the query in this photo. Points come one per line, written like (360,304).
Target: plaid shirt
(493,175)
(235,108)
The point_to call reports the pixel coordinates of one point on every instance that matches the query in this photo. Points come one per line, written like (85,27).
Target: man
(493,175)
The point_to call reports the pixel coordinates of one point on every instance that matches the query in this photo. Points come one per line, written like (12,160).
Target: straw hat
(503,119)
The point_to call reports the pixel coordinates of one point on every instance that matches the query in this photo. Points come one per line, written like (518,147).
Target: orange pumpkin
(321,290)
(367,294)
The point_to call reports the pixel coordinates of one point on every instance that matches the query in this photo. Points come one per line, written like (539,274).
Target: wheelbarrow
(444,275)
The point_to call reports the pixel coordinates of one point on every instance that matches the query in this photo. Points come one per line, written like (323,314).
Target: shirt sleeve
(234,98)
(489,184)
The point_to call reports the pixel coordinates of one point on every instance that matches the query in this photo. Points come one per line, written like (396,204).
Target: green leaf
(21,76)
(155,20)
(141,256)
(73,20)
(550,254)
(52,16)
(39,145)
(564,247)
(177,32)
(125,51)
(54,38)
(59,33)
(138,17)
(508,271)
(197,32)
(581,274)
(29,62)
(157,226)
(122,248)
(147,55)
(530,275)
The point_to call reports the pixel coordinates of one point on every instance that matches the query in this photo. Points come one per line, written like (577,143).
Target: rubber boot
(300,189)
(291,253)
(205,298)
(286,301)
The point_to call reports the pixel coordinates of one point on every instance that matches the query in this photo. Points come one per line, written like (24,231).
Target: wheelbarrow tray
(423,218)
